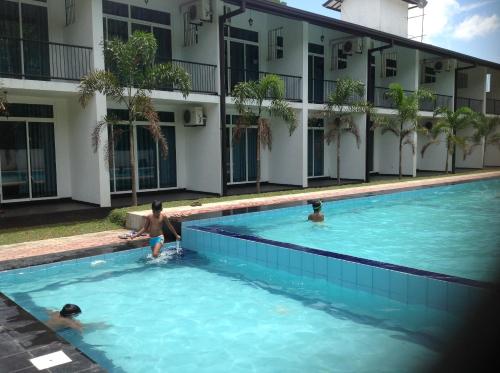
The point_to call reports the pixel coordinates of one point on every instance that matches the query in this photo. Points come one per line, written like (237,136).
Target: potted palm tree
(131,76)
(448,124)
(405,122)
(340,106)
(485,128)
(249,98)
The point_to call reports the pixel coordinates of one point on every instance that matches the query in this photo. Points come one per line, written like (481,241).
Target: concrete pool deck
(135,219)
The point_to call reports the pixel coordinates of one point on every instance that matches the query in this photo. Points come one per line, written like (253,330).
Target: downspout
(453,158)
(222,79)
(369,90)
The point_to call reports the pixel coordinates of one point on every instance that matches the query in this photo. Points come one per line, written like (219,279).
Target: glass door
(316,68)
(35,41)
(10,57)
(243,155)
(168,165)
(14,161)
(315,149)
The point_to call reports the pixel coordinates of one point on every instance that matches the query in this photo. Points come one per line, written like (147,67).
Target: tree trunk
(338,158)
(133,165)
(257,163)
(400,157)
(447,156)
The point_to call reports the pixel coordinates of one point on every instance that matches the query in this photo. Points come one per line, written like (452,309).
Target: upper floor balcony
(474,104)
(381,100)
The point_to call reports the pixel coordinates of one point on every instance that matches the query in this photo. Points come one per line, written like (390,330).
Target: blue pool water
(202,313)
(452,230)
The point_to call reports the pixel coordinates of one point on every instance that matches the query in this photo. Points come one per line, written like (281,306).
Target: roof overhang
(337,4)
(354,29)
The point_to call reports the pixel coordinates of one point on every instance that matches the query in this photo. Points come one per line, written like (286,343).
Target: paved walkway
(86,241)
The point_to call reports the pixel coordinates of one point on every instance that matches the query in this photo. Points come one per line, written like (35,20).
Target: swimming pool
(451,229)
(213,313)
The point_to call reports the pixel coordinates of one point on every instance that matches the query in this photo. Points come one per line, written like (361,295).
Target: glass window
(10,57)
(14,160)
(42,160)
(430,75)
(146,159)
(117,30)
(153,16)
(121,175)
(114,8)
(168,165)
(391,67)
(36,53)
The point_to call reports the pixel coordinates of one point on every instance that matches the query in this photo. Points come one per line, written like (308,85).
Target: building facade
(48,45)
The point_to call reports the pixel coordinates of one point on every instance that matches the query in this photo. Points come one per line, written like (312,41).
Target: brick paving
(90,240)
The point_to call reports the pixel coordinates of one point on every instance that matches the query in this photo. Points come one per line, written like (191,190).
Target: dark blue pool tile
(283,258)
(364,277)
(272,256)
(308,264)
(458,297)
(320,266)
(436,294)
(296,260)
(381,281)
(417,289)
(334,270)
(398,286)
(348,273)
(261,252)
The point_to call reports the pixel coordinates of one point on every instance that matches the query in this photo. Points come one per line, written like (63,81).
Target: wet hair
(316,205)
(70,310)
(156,206)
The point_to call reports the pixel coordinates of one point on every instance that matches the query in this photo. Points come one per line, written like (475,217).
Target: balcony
(319,90)
(43,60)
(203,76)
(439,101)
(293,84)
(381,100)
(476,105)
(492,106)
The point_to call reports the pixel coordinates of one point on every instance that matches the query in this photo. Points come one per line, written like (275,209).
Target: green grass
(116,218)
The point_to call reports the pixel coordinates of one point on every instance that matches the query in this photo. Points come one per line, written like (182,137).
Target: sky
(467,26)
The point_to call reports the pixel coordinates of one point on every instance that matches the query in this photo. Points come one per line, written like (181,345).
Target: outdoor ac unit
(442,65)
(194,117)
(352,46)
(199,11)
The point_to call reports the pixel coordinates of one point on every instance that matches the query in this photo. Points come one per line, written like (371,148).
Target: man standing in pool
(153,225)
(316,216)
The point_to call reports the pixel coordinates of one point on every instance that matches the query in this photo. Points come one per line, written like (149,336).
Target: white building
(46,46)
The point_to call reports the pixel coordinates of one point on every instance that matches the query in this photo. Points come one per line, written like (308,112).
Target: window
(429,75)
(315,148)
(390,65)
(242,151)
(462,80)
(275,44)
(341,58)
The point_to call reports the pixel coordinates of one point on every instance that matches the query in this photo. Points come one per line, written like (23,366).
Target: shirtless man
(316,216)
(153,226)
(65,318)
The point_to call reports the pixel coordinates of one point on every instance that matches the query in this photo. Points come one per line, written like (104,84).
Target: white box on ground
(50,360)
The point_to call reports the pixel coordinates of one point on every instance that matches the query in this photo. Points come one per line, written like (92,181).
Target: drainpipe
(453,158)
(369,90)
(222,65)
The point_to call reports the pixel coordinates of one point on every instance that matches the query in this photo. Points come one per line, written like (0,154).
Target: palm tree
(405,122)
(485,127)
(449,122)
(340,105)
(131,77)
(249,99)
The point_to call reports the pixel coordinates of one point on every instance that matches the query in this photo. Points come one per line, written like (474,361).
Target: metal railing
(319,90)
(203,76)
(438,101)
(476,105)
(293,84)
(43,60)
(380,98)
(492,106)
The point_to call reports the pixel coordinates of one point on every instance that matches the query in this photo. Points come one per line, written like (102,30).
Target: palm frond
(265,133)
(144,109)
(411,143)
(168,74)
(426,146)
(100,81)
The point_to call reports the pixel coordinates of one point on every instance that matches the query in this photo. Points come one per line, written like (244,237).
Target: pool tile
(283,258)
(417,289)
(348,273)
(215,243)
(272,256)
(261,252)
(458,297)
(381,281)
(296,260)
(251,250)
(364,277)
(308,263)
(398,286)
(240,248)
(436,294)
(334,270)
(320,266)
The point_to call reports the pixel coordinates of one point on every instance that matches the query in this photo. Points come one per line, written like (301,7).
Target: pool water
(452,230)
(200,313)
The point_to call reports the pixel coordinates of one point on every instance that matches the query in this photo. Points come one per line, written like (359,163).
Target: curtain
(14,160)
(168,166)
(42,160)
(147,159)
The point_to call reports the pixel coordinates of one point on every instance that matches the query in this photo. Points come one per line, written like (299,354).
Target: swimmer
(316,216)
(65,318)
(153,225)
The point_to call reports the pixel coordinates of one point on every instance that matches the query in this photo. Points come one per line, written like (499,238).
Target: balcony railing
(293,84)
(319,90)
(43,60)
(439,101)
(476,105)
(203,76)
(492,106)
(380,98)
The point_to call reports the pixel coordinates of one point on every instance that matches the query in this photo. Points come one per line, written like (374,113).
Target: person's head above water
(70,310)
(156,206)
(316,206)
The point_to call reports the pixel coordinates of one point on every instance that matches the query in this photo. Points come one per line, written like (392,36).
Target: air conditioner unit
(199,11)
(194,117)
(352,46)
(443,65)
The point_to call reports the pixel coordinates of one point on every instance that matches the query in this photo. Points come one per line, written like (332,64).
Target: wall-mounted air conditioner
(194,117)
(352,46)
(199,11)
(442,65)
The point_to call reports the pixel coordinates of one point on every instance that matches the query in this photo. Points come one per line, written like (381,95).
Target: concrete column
(304,114)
